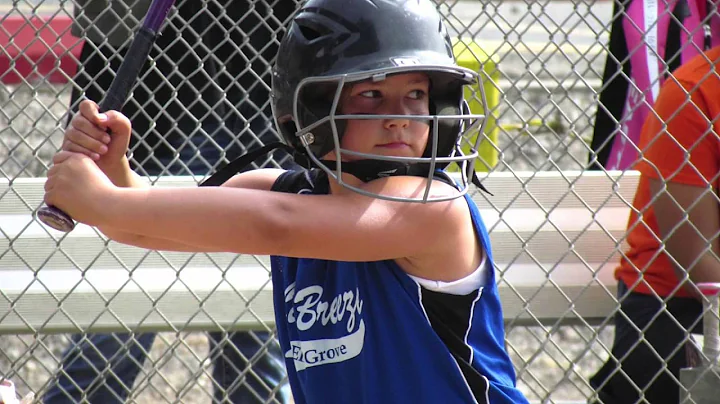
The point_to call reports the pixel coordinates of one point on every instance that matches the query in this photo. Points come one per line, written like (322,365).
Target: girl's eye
(417,94)
(370,94)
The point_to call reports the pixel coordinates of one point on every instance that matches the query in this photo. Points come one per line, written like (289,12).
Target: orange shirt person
(672,237)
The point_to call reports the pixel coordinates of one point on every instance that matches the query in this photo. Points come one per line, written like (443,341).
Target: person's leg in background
(249,367)
(650,347)
(99,368)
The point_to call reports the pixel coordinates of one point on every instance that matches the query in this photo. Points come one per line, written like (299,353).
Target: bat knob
(56,218)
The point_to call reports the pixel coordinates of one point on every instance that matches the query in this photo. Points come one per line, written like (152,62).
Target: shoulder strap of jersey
(313,181)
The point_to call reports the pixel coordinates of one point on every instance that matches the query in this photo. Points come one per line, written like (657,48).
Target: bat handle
(56,218)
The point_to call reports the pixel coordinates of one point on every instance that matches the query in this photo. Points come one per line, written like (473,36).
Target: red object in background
(36,48)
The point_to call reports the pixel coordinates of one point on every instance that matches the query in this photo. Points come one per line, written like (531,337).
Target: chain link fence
(205,101)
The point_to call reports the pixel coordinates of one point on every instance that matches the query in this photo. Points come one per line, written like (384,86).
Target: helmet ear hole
(288,128)
(448,130)
(445,99)
(309,33)
(311,30)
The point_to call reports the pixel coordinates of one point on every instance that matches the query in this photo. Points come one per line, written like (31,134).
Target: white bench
(554,235)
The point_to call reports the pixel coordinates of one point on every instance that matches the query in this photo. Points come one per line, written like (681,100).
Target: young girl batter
(384,288)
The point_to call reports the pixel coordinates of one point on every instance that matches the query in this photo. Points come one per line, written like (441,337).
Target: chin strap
(368,170)
(365,170)
(222,175)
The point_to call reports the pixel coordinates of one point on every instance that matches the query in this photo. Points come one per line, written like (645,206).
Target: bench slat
(246,307)
(33,247)
(545,274)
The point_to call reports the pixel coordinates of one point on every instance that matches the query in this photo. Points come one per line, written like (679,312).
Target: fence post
(701,384)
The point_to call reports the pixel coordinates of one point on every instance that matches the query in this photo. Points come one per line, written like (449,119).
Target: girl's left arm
(348,227)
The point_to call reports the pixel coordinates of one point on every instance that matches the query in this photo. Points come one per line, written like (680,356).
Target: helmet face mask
(313,68)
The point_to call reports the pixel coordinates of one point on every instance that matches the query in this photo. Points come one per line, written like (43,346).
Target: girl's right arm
(89,133)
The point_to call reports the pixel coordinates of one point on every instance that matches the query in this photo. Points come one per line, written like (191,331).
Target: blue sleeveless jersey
(365,332)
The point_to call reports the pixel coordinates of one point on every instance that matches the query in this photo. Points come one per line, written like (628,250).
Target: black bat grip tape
(129,70)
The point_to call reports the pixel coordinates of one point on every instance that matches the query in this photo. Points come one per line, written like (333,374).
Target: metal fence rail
(550,57)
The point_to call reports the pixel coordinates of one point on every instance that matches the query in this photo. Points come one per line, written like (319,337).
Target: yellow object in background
(471,56)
